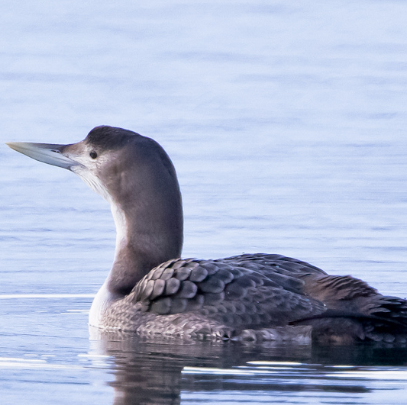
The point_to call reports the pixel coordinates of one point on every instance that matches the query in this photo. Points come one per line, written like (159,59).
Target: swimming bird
(151,291)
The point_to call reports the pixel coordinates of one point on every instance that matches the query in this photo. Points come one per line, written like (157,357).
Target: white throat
(121,226)
(104,298)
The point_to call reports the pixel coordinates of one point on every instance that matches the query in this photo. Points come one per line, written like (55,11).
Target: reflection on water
(172,373)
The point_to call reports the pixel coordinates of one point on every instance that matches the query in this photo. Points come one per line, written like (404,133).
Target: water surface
(286,123)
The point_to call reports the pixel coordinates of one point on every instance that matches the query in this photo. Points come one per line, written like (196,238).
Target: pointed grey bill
(44,152)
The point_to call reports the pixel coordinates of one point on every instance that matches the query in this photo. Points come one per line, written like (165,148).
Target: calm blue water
(287,126)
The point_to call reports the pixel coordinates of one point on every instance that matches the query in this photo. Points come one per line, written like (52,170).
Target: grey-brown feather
(251,292)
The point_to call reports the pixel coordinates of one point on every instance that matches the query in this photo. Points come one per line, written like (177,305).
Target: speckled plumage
(246,296)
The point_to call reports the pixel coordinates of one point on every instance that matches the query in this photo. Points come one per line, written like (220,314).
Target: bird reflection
(162,372)
(151,372)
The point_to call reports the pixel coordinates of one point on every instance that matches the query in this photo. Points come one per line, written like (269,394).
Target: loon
(150,290)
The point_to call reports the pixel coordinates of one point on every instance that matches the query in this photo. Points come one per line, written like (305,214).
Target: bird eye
(93,155)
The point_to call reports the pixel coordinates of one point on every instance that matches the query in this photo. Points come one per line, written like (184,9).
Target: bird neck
(143,241)
(147,235)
